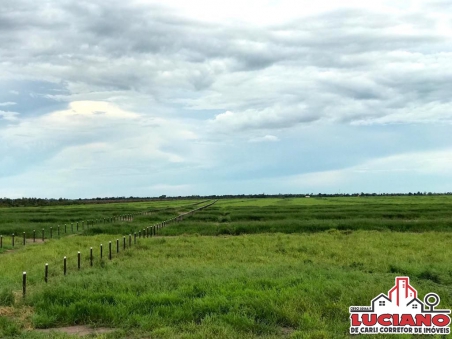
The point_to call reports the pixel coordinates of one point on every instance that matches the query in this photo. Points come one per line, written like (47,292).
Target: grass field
(263,268)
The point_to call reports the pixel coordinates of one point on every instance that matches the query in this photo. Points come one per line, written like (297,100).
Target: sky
(147,98)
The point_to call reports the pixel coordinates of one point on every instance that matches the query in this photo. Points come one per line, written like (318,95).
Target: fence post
(24,284)
(34,235)
(91,256)
(124,242)
(78,260)
(12,239)
(24,238)
(46,272)
(64,265)
(101,251)
(117,245)
(130,240)
(109,250)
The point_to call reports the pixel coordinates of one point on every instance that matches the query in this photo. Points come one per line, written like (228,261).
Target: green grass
(293,275)
(248,286)
(402,214)
(19,219)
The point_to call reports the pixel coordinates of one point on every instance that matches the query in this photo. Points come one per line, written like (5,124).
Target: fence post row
(146,232)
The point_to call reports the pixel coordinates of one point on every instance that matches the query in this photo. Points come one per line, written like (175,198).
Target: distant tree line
(30,202)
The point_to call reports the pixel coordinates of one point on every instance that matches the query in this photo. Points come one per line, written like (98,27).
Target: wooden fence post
(91,256)
(64,265)
(78,260)
(24,284)
(46,272)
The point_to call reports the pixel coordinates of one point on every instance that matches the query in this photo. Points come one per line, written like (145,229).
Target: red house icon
(402,292)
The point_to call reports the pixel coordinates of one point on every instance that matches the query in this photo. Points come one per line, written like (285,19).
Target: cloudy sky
(143,98)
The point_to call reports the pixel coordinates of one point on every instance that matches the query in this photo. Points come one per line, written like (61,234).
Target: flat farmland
(301,215)
(242,268)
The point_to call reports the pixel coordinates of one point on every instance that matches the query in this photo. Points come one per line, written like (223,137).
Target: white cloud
(8,103)
(176,87)
(8,116)
(415,165)
(265,138)
(98,135)
(268,118)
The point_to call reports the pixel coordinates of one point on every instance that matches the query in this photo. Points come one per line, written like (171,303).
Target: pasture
(242,268)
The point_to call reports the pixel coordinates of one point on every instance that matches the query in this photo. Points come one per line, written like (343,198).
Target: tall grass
(291,269)
(248,286)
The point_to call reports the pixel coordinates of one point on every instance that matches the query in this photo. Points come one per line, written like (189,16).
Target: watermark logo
(400,312)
